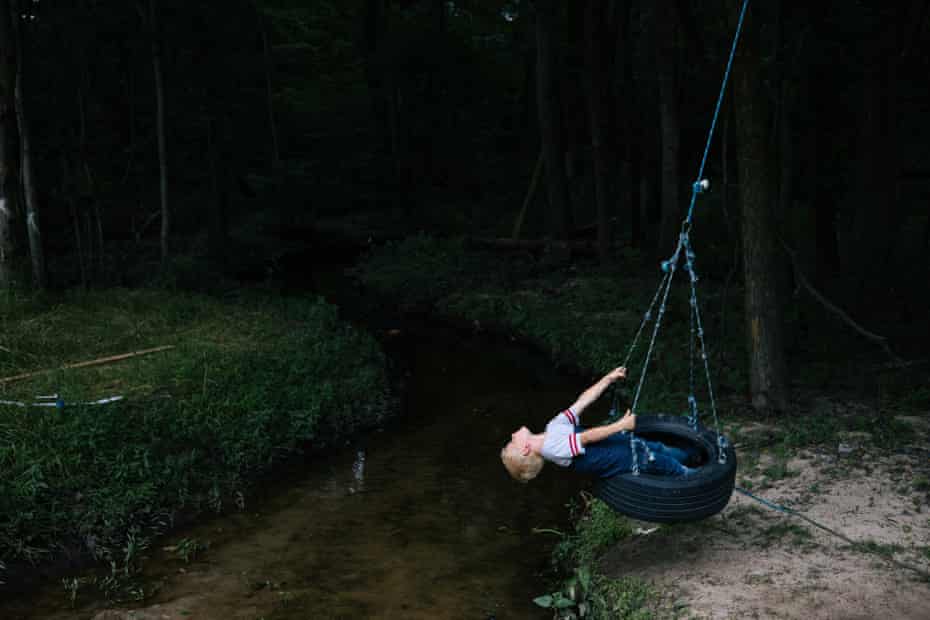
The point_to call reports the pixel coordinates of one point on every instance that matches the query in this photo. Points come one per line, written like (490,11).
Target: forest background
(198,142)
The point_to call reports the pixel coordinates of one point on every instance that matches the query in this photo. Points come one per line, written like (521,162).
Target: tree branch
(802,279)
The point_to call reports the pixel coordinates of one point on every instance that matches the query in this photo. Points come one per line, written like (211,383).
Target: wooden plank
(94,362)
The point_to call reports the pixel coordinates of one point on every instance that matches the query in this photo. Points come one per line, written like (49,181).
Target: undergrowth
(247,383)
(586,592)
(585,316)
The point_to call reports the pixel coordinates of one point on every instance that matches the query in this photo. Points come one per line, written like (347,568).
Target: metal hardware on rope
(669,266)
(721,448)
(693,415)
(635,468)
(700,332)
(713,123)
(650,457)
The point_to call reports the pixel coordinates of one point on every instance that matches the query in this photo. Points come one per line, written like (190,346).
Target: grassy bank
(581,314)
(247,383)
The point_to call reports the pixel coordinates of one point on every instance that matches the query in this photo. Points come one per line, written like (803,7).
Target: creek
(418,520)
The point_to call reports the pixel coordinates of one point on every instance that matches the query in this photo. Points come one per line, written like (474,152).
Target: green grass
(597,529)
(584,316)
(248,383)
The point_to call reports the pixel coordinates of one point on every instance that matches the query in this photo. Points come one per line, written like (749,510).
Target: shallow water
(418,521)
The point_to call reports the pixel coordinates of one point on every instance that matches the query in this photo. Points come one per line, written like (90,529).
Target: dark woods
(137,136)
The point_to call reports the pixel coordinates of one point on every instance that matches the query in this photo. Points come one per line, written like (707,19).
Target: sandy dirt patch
(754,562)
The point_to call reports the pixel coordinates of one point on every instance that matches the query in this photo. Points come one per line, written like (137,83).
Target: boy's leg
(679,454)
(664,465)
(666,461)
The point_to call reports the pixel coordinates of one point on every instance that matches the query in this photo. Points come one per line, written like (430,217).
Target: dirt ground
(753,562)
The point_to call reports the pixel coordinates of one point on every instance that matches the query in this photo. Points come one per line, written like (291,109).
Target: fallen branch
(94,362)
(530,193)
(503,243)
(880,340)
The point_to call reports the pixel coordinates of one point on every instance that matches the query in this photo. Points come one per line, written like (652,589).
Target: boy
(602,451)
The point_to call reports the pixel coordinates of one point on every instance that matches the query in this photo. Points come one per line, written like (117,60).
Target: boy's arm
(599,433)
(594,392)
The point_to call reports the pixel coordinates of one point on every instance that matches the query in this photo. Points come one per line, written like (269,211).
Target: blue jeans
(666,461)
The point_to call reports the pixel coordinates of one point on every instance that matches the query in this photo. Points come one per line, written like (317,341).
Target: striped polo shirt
(562,442)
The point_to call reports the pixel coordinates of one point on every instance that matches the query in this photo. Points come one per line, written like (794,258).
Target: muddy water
(418,521)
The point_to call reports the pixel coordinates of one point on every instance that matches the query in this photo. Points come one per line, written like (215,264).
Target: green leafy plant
(189,548)
(590,595)
(598,527)
(571,600)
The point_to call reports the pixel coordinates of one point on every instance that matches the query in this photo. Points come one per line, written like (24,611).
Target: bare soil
(754,562)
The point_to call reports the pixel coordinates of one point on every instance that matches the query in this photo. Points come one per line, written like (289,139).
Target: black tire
(664,499)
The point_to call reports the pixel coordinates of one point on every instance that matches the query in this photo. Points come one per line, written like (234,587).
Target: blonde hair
(522,467)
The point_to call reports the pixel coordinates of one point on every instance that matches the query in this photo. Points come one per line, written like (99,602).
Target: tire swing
(664,499)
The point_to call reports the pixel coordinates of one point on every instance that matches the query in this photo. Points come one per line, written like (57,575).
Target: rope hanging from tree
(669,267)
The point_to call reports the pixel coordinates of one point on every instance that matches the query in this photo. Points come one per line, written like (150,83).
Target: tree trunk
(596,90)
(218,231)
(758,195)
(7,130)
(68,190)
(372,44)
(96,269)
(876,184)
(665,37)
(269,91)
(156,43)
(33,227)
(621,120)
(550,124)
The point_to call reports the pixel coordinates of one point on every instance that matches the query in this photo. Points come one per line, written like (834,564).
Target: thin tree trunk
(550,124)
(130,109)
(373,43)
(7,129)
(530,195)
(880,213)
(218,236)
(665,36)
(69,192)
(33,227)
(621,120)
(156,44)
(97,269)
(269,91)
(595,87)
(925,252)
(757,185)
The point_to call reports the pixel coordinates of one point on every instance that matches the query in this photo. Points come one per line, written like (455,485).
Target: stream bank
(416,521)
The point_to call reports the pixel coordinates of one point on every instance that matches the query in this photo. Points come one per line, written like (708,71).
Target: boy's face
(519,441)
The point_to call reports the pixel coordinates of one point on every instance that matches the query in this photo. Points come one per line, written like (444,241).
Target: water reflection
(358,472)
(418,521)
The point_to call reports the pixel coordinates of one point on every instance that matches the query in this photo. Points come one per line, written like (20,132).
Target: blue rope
(696,312)
(855,544)
(669,266)
(698,187)
(772,505)
(615,401)
(672,265)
